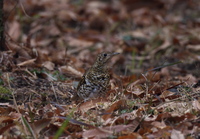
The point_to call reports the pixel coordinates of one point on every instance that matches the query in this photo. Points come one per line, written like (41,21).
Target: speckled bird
(95,81)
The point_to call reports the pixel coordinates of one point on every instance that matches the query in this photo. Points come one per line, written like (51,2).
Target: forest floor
(155,80)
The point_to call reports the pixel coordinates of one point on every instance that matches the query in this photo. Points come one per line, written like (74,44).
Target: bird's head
(103,58)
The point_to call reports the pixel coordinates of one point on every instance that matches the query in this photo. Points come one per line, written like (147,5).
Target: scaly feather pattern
(95,81)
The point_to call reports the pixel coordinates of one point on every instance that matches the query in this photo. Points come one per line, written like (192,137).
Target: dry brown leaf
(16,48)
(49,65)
(6,123)
(162,133)
(67,15)
(45,42)
(79,43)
(189,78)
(84,107)
(164,46)
(40,124)
(196,104)
(165,72)
(137,90)
(166,93)
(7,127)
(70,71)
(105,131)
(175,134)
(112,108)
(160,125)
(95,6)
(142,16)
(15,30)
(5,119)
(194,47)
(131,136)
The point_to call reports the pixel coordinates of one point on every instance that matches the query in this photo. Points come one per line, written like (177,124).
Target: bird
(94,83)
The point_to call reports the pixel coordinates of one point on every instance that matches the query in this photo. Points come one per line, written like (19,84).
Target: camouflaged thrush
(95,81)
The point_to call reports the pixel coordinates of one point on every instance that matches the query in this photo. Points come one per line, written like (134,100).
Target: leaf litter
(52,43)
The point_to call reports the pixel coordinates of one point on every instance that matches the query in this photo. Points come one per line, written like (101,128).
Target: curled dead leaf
(104,132)
(49,65)
(113,107)
(84,107)
(196,104)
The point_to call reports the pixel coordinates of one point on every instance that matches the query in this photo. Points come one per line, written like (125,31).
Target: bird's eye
(104,54)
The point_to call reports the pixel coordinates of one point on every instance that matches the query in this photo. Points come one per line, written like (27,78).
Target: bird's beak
(115,53)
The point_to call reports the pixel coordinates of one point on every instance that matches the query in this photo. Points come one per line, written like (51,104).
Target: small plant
(4,93)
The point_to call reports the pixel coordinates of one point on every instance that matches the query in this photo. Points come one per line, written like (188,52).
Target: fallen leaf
(112,108)
(196,104)
(84,107)
(175,134)
(105,131)
(40,124)
(49,65)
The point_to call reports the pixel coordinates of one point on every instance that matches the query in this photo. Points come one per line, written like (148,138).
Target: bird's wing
(82,81)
